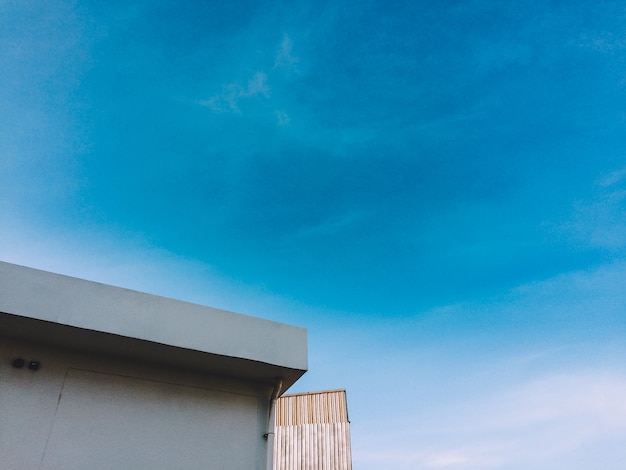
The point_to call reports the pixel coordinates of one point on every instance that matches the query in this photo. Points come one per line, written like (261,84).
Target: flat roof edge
(91,306)
(83,341)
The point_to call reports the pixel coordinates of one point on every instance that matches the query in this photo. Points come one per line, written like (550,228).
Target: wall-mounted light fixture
(18,362)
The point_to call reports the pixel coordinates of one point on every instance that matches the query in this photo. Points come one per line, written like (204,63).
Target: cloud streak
(284,58)
(229,98)
(282,118)
(538,424)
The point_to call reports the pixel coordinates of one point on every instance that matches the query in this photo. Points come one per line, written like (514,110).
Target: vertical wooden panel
(312,432)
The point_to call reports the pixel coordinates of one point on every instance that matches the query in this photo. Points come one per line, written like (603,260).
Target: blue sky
(436,190)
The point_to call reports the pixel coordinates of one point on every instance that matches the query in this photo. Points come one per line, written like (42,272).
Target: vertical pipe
(271,425)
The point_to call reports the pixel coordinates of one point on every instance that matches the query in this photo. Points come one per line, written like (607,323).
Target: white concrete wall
(89,412)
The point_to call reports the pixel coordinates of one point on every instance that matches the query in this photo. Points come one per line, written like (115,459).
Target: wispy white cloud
(613,178)
(257,85)
(228,99)
(282,117)
(284,57)
(553,396)
(534,425)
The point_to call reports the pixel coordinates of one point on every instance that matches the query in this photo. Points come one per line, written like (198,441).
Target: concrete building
(312,432)
(98,377)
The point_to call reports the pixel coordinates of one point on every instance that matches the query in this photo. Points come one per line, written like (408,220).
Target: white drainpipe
(269,435)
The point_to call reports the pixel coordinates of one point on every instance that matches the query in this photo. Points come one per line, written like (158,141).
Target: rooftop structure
(96,376)
(312,432)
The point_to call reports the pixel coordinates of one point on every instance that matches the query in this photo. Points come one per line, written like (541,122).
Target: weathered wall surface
(81,411)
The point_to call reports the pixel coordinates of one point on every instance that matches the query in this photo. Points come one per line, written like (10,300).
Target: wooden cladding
(309,408)
(312,432)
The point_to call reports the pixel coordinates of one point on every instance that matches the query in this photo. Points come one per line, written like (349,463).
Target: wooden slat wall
(312,432)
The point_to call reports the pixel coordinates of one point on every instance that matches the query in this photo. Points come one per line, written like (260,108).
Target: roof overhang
(95,318)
